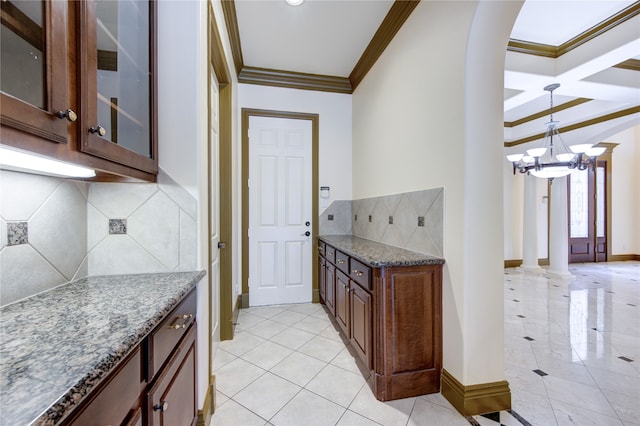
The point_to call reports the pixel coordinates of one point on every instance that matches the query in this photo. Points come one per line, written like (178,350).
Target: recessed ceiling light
(294,2)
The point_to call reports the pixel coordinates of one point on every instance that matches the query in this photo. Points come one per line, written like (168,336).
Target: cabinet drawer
(330,253)
(167,335)
(320,248)
(342,262)
(361,274)
(113,402)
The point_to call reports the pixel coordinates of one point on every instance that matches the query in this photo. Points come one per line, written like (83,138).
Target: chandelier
(553,158)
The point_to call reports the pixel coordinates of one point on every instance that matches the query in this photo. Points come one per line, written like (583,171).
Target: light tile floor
(572,349)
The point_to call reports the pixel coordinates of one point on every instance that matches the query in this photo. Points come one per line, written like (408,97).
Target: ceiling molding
(631,64)
(396,17)
(294,80)
(541,114)
(549,51)
(591,122)
(231,20)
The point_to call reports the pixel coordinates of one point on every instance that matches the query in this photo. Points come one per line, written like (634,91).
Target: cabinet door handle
(358,273)
(163,406)
(340,261)
(69,114)
(99,130)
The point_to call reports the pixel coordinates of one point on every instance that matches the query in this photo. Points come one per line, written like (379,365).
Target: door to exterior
(587,215)
(280,211)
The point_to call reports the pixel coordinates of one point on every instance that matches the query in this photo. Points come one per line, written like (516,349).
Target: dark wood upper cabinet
(90,60)
(34,79)
(118,81)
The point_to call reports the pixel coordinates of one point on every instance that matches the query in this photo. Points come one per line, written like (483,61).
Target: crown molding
(631,64)
(541,114)
(294,80)
(396,17)
(231,21)
(591,122)
(550,51)
(393,21)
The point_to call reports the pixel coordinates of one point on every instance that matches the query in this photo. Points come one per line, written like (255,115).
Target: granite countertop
(55,347)
(378,255)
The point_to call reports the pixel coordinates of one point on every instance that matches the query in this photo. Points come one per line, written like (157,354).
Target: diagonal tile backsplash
(55,230)
(412,220)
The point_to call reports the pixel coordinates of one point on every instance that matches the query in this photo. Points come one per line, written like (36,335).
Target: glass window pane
(22,61)
(124,73)
(600,201)
(579,205)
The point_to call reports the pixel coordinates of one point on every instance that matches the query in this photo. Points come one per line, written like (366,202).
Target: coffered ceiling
(590,47)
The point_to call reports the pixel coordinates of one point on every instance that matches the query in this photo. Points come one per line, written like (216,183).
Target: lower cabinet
(342,303)
(361,323)
(392,316)
(155,384)
(172,399)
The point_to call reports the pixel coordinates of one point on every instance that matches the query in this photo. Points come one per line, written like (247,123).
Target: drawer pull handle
(340,261)
(163,406)
(185,317)
(358,273)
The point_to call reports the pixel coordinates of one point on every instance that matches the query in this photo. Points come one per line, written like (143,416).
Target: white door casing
(280,207)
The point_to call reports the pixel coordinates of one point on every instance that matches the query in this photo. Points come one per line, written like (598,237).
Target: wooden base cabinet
(172,399)
(393,317)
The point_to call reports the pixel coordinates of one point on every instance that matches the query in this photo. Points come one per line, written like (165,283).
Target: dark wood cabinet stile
(393,317)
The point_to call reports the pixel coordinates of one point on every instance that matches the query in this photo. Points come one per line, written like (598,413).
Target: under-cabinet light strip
(12,159)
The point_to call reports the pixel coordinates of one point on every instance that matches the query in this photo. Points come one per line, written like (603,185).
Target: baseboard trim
(236,310)
(315,296)
(209,405)
(245,300)
(476,399)
(623,257)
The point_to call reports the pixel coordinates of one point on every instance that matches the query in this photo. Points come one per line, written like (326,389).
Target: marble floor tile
(234,414)
(391,413)
(298,368)
(425,413)
(266,355)
(580,415)
(292,338)
(337,385)
(234,376)
(349,418)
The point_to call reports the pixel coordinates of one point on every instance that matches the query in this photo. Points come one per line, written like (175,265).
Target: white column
(559,230)
(530,227)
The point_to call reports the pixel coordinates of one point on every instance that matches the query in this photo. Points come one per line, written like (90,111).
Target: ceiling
(590,47)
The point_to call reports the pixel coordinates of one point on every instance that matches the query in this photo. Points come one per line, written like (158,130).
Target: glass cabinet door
(34,78)
(118,74)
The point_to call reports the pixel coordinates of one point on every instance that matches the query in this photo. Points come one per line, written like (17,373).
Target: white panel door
(279,211)
(214,209)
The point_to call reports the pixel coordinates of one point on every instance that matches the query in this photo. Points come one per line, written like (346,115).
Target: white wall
(427,115)
(182,132)
(625,188)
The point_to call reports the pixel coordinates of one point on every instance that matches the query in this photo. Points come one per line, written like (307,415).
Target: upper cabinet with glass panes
(82,75)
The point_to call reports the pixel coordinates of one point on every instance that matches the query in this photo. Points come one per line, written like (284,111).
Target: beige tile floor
(564,340)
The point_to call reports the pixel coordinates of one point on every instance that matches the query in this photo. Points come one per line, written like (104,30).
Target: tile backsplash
(56,230)
(412,220)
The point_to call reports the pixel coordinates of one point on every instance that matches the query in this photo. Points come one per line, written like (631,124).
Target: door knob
(221,245)
(164,406)
(68,114)
(307,223)
(99,130)
(306,234)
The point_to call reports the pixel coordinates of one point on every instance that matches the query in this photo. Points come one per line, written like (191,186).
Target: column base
(531,269)
(560,274)
(476,399)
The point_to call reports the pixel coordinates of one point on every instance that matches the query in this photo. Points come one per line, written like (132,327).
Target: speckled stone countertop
(55,347)
(378,255)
